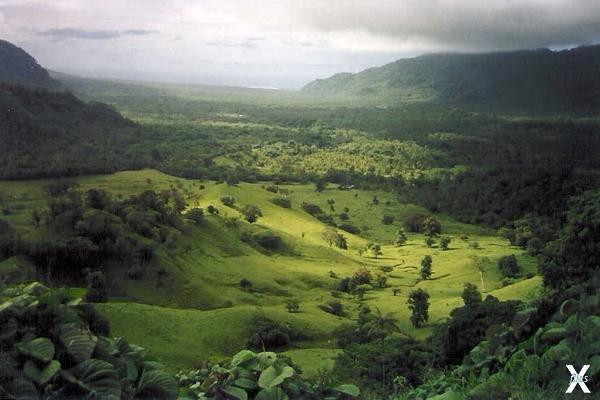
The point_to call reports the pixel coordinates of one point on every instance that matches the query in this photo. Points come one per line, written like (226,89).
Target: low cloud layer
(281,43)
(78,33)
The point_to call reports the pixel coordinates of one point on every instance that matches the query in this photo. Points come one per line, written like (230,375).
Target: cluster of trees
(94,230)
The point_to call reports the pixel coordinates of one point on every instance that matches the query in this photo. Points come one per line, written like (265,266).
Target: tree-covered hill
(18,67)
(535,80)
(46,134)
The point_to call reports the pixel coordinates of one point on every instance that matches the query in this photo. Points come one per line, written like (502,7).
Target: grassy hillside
(199,310)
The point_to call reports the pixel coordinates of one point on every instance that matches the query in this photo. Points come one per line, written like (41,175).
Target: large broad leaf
(156,384)
(41,349)
(270,377)
(38,375)
(245,383)
(22,389)
(79,345)
(97,377)
(236,393)
(348,390)
(242,357)
(275,393)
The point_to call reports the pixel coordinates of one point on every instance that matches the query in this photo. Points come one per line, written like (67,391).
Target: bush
(508,266)
(387,219)
(282,202)
(246,285)
(292,306)
(349,228)
(414,223)
(474,245)
(334,307)
(196,215)
(444,242)
(227,200)
(212,209)
(268,241)
(344,216)
(251,213)
(272,188)
(269,334)
(312,209)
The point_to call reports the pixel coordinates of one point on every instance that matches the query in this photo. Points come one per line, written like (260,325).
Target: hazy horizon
(278,44)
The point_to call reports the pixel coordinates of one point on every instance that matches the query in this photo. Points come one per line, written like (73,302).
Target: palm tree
(379,326)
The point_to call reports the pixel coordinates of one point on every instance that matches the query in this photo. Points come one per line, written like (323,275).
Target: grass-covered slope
(199,310)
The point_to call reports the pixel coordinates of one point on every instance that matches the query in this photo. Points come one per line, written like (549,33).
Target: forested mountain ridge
(536,80)
(18,67)
(55,134)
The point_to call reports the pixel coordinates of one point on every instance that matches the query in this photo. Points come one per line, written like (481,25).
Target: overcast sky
(278,43)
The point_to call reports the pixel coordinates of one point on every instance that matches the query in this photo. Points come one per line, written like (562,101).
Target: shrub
(444,242)
(246,285)
(474,245)
(349,228)
(268,241)
(508,266)
(312,209)
(270,334)
(272,188)
(387,219)
(344,216)
(429,241)
(334,307)
(292,306)
(282,202)
(196,215)
(251,213)
(212,209)
(227,200)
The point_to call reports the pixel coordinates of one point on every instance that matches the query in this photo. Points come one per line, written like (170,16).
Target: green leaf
(79,345)
(22,389)
(275,393)
(156,384)
(348,390)
(242,357)
(97,377)
(235,393)
(270,377)
(41,376)
(245,383)
(42,349)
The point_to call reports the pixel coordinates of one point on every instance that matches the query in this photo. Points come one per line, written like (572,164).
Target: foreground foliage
(54,347)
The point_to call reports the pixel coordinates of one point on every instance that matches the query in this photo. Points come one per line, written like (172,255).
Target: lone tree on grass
(480,264)
(471,294)
(401,239)
(246,285)
(444,242)
(375,249)
(426,267)
(418,303)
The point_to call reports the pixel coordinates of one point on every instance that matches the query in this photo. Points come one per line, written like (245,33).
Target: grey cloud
(466,25)
(138,32)
(76,33)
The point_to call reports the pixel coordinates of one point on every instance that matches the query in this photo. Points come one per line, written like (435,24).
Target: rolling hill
(534,80)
